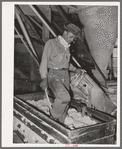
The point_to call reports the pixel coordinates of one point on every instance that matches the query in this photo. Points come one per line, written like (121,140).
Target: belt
(59,68)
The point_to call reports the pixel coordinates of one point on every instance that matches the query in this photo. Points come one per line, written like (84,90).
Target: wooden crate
(100,133)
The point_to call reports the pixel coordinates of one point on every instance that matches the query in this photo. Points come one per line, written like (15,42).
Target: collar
(63,42)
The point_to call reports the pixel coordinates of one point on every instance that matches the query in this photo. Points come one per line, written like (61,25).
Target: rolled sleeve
(71,67)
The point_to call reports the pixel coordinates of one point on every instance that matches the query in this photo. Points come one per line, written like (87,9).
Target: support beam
(41,18)
(28,48)
(35,22)
(26,34)
(29,23)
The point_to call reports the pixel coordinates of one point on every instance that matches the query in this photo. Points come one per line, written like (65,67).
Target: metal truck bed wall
(100,133)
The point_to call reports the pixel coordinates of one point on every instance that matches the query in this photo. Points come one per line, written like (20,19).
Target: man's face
(69,37)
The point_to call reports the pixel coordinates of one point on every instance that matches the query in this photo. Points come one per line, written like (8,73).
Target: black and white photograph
(61,74)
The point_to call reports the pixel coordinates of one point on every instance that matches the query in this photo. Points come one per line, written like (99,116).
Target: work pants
(59,83)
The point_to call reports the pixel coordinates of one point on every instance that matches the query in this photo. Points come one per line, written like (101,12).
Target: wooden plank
(32,96)
(41,124)
(94,134)
(40,114)
(33,127)
(90,128)
(105,140)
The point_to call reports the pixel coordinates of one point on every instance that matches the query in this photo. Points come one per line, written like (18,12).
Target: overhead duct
(100,27)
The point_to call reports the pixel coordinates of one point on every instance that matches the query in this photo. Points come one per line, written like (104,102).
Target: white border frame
(7,72)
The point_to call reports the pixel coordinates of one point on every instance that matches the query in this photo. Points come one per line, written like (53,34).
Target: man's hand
(79,70)
(43,83)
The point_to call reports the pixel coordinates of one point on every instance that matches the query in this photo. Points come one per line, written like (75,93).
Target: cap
(72,28)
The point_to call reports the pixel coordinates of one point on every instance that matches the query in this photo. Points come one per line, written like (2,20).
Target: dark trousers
(59,83)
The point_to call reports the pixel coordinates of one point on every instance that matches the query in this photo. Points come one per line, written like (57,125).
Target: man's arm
(76,70)
(44,61)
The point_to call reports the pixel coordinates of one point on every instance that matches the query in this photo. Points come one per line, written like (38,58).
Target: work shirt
(56,55)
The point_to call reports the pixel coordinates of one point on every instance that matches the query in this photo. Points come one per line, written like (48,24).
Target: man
(54,70)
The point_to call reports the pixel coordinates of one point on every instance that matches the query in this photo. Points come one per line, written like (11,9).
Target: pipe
(45,23)
(76,61)
(26,34)
(28,48)
(29,23)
